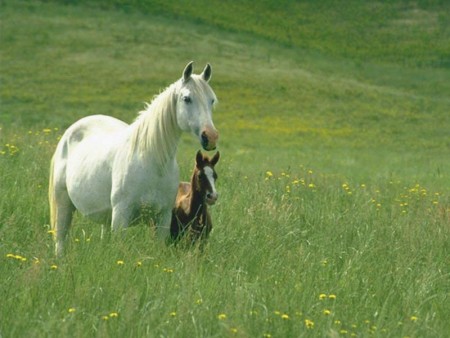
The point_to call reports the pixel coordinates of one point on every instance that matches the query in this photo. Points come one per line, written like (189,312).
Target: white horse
(108,170)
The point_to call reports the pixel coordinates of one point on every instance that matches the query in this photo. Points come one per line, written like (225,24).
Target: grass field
(333,216)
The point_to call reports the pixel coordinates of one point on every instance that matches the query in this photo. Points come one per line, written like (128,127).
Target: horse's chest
(142,184)
(159,191)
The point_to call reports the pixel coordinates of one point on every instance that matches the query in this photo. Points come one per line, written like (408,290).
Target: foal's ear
(207,72)
(215,159)
(199,159)
(187,72)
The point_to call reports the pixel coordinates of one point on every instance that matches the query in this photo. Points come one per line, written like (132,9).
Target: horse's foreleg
(122,215)
(163,222)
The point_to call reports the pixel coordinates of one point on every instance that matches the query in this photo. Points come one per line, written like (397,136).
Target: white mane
(154,125)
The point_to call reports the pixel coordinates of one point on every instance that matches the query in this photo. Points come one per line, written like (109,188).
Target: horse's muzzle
(209,138)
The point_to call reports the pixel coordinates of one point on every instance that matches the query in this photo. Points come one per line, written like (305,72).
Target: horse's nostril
(204,140)
(211,196)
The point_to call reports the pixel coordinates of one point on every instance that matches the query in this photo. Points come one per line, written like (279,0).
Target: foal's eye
(213,101)
(187,99)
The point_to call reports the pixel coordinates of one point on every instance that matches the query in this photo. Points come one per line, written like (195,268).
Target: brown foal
(190,215)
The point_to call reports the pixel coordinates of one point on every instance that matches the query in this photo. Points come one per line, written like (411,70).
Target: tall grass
(333,211)
(292,253)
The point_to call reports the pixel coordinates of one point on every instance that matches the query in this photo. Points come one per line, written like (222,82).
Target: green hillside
(299,96)
(411,33)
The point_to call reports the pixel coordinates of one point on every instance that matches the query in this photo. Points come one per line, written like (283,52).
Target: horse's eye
(187,99)
(213,101)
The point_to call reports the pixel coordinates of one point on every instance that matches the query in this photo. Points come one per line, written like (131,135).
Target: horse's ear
(199,159)
(207,72)
(187,72)
(215,159)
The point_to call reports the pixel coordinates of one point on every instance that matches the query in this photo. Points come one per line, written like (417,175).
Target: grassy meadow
(334,179)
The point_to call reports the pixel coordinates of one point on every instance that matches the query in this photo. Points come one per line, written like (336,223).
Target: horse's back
(182,200)
(183,188)
(95,125)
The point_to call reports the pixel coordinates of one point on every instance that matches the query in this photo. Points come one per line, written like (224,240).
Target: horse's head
(195,102)
(206,176)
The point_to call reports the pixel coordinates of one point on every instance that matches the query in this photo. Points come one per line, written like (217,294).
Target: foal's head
(205,176)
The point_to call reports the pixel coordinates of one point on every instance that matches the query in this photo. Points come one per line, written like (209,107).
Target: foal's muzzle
(211,198)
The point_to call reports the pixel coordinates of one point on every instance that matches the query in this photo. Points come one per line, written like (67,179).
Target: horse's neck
(156,133)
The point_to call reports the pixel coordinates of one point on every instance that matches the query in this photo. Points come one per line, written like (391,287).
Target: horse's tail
(51,198)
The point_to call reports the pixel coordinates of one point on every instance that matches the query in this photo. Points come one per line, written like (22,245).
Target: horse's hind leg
(62,211)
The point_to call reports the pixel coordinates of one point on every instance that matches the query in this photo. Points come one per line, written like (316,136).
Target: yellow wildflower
(18,257)
(309,324)
(222,316)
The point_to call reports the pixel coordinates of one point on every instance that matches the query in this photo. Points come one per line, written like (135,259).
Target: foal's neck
(198,205)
